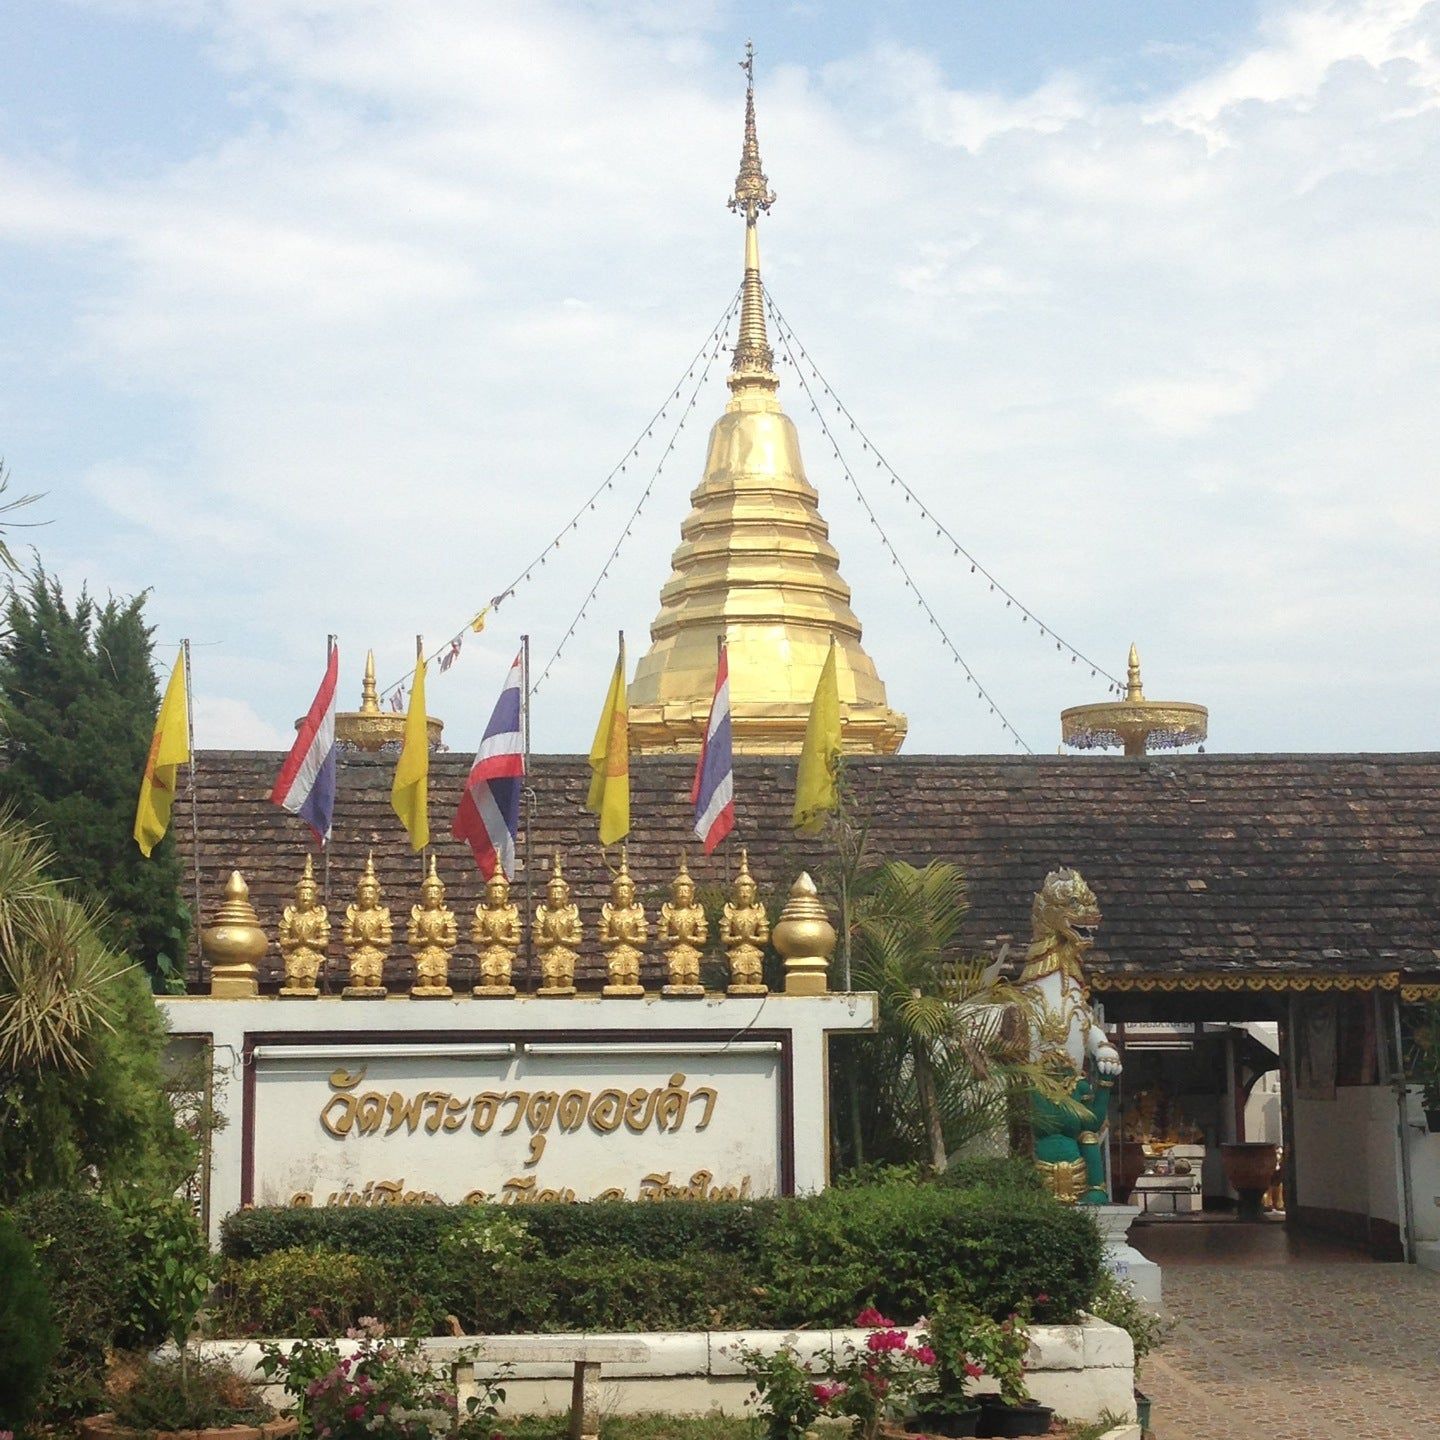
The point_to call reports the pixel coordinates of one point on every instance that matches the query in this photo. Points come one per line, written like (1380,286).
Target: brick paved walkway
(1292,1342)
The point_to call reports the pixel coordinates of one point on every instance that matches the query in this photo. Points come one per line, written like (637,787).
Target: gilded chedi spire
(755,565)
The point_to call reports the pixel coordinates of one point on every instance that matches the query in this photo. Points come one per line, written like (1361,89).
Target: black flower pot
(955,1421)
(1432,1119)
(997,1418)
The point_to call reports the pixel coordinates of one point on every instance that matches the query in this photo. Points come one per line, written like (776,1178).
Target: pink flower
(921,1355)
(1042,1298)
(973,1370)
(827,1391)
(355,1412)
(880,1342)
(870,1319)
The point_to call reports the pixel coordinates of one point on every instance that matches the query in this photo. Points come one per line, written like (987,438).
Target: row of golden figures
(803,936)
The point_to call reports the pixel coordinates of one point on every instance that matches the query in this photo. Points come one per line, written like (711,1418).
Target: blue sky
(323,314)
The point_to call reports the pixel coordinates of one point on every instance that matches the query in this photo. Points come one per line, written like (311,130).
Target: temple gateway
(1262,920)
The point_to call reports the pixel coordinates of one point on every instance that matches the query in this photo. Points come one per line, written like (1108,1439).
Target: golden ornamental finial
(752,190)
(754,360)
(1133,689)
(369,697)
(309,873)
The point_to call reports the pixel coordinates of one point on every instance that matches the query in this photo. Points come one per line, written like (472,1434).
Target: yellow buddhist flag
(409,792)
(169,749)
(817,790)
(610,760)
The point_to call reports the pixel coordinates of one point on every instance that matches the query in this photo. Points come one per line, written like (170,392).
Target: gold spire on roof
(755,566)
(371,728)
(1134,724)
(754,358)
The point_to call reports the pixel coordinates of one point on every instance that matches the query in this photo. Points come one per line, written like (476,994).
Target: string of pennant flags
(487,814)
(394,694)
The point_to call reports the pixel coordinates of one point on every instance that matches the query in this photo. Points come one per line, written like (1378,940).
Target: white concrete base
(1082,1370)
(1121,1258)
(1427,1254)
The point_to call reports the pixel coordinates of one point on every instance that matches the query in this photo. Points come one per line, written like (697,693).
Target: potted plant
(1422,1060)
(178,1393)
(871,1383)
(1000,1346)
(949,1408)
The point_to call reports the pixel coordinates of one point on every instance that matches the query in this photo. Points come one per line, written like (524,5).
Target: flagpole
(194,807)
(528,795)
(419,656)
(719,656)
(331,641)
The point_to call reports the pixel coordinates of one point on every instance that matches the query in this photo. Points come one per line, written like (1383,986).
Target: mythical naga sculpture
(1066,1036)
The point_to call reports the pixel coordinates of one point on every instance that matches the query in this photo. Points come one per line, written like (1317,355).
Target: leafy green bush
(626,1266)
(993,1172)
(308,1292)
(28,1337)
(1116,1301)
(169,1267)
(80,1247)
(896,1246)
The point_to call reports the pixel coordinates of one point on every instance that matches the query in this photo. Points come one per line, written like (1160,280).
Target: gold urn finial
(233,943)
(755,565)
(805,939)
(1134,724)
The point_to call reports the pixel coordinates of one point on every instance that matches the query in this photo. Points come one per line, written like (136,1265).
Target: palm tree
(55,972)
(951,1059)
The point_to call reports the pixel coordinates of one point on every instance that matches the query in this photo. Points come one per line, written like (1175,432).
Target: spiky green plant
(54,970)
(951,1058)
(83,1088)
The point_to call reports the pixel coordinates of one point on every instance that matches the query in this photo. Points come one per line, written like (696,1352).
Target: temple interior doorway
(1254,1108)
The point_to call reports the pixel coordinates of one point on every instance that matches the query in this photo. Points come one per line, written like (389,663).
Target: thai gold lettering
(517,1098)
(665,1109)
(574,1105)
(605,1111)
(487,1105)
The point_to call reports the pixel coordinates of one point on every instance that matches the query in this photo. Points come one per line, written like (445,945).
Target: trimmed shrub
(993,1172)
(308,1292)
(627,1266)
(28,1337)
(169,1268)
(896,1246)
(79,1245)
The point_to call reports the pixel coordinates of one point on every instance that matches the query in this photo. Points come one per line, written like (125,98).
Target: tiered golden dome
(755,565)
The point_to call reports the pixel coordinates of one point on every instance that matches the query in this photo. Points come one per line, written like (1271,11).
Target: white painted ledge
(1082,1370)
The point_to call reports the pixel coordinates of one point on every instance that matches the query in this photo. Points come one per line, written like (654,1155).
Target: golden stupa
(755,565)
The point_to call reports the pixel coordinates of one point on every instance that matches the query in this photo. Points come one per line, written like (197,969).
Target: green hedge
(28,1337)
(80,1249)
(811,1261)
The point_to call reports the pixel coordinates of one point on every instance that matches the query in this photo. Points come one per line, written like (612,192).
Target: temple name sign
(536,1120)
(336,1102)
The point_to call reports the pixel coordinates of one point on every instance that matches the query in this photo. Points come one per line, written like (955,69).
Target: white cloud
(1169,369)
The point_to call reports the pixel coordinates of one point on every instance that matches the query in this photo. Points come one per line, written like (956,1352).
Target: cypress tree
(78,700)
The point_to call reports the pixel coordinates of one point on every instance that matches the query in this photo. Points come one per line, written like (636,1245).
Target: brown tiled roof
(1244,864)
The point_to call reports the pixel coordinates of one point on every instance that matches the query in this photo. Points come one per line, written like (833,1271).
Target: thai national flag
(713,793)
(306,783)
(489,813)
